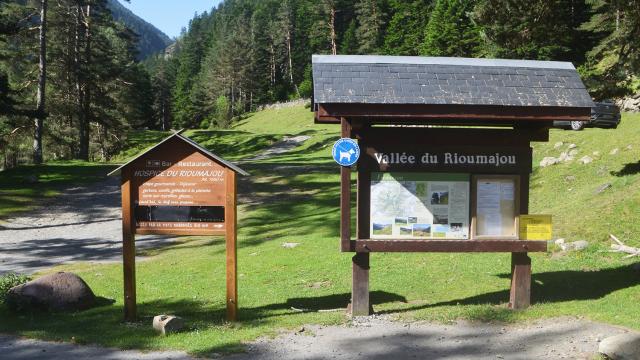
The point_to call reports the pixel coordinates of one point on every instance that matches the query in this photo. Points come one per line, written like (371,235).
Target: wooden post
(345,197)
(128,249)
(360,305)
(230,221)
(520,295)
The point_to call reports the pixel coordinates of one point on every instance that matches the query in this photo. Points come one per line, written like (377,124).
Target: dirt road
(82,224)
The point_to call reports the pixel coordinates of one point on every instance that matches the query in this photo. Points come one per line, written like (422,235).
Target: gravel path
(12,348)
(82,224)
(377,338)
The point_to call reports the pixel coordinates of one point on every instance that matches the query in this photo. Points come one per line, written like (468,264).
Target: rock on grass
(621,347)
(61,291)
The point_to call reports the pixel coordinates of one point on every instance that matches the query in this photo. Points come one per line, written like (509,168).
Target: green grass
(294,197)
(19,192)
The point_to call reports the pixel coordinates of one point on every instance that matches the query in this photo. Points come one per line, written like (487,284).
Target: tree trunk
(332,26)
(165,114)
(83,146)
(83,87)
(42,81)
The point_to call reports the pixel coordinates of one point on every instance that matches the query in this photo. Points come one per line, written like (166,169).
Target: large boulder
(56,292)
(621,347)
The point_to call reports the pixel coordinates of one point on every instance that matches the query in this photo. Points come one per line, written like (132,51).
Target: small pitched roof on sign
(367,79)
(178,135)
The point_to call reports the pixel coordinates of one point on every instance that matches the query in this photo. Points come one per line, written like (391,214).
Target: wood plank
(217,232)
(128,248)
(363,209)
(360,305)
(451,113)
(520,294)
(440,136)
(345,197)
(485,245)
(230,216)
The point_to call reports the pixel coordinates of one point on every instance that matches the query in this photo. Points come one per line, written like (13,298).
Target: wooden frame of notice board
(509,229)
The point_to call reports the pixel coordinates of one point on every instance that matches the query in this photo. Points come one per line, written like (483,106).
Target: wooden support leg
(129,264)
(230,219)
(360,288)
(520,297)
(128,249)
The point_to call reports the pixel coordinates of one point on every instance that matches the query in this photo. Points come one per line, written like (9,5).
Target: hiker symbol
(346,152)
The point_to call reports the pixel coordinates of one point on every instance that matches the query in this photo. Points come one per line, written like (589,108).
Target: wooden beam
(345,196)
(360,305)
(230,219)
(128,248)
(520,294)
(185,232)
(468,114)
(485,245)
(413,137)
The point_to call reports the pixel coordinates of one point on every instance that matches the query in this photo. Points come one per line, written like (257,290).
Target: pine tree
(615,59)
(450,31)
(349,43)
(370,25)
(538,29)
(405,32)
(190,58)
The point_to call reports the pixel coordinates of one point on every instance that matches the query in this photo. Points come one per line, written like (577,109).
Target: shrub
(8,281)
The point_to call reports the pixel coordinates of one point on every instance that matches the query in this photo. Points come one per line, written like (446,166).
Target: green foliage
(222,112)
(537,30)
(370,25)
(405,32)
(9,280)
(349,43)
(450,31)
(614,59)
(306,86)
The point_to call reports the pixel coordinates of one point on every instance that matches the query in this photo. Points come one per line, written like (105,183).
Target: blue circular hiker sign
(346,152)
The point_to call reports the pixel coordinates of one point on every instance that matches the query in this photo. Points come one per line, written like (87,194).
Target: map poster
(419,206)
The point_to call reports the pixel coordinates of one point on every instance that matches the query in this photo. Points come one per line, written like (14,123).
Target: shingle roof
(436,80)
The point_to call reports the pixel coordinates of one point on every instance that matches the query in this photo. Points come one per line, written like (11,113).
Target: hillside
(293,197)
(151,39)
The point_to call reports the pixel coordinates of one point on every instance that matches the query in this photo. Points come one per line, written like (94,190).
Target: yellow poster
(535,227)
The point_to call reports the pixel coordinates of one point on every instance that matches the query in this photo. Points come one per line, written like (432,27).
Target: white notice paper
(506,191)
(488,205)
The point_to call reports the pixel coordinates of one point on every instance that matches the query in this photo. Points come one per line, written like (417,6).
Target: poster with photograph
(419,206)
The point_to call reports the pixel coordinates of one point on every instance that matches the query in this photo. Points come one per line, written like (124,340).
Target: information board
(419,206)
(179,190)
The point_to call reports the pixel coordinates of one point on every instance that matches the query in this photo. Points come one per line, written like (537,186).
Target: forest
(73,84)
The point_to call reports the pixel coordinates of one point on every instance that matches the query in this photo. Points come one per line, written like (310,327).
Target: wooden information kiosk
(178,188)
(445,153)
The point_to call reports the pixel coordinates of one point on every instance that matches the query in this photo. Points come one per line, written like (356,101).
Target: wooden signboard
(178,188)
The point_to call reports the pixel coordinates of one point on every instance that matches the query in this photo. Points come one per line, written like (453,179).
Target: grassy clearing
(294,197)
(26,187)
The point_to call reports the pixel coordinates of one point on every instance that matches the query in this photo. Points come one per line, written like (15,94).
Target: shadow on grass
(104,325)
(548,287)
(627,169)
